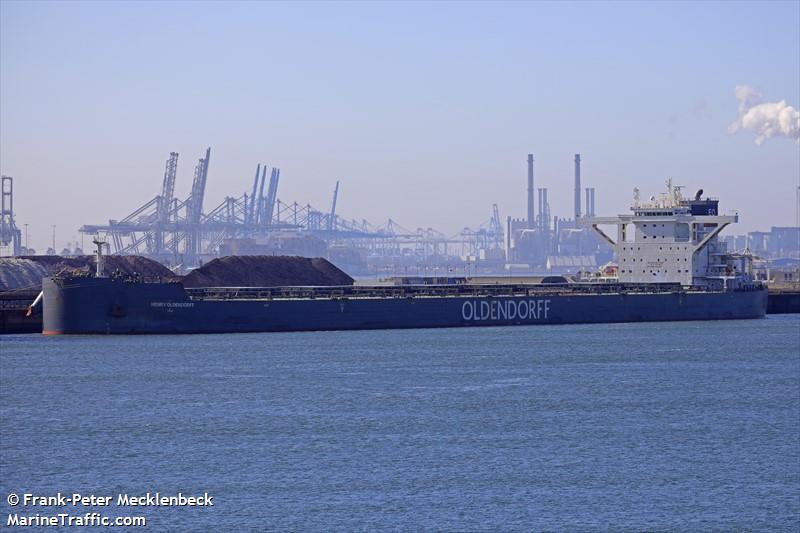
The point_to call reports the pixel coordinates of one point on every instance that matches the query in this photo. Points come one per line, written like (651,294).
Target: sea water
(657,426)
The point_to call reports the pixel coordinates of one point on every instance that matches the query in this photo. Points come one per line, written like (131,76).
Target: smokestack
(592,212)
(508,238)
(541,210)
(530,191)
(545,210)
(588,203)
(577,186)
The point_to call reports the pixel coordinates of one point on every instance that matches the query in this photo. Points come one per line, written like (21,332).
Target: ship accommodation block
(670,244)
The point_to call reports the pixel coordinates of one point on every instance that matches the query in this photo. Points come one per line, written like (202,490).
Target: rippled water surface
(677,426)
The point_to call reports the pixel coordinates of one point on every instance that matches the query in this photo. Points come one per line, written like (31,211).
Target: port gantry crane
(178,232)
(163,226)
(10,234)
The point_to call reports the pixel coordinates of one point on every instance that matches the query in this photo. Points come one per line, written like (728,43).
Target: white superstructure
(670,239)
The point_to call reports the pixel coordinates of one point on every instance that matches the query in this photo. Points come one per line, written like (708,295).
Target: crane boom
(272,195)
(167,188)
(251,211)
(332,218)
(199,188)
(260,201)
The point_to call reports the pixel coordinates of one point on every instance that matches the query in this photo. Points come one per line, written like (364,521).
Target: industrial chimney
(577,186)
(530,191)
(588,201)
(540,224)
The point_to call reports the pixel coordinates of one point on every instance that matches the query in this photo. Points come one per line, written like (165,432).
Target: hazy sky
(424,111)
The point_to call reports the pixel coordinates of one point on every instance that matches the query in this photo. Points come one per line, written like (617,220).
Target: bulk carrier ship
(670,266)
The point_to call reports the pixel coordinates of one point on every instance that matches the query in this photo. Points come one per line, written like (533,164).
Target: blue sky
(424,111)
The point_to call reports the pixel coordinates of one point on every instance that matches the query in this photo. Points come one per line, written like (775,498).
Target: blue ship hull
(106,306)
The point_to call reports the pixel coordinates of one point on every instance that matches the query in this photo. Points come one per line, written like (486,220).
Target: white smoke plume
(765,119)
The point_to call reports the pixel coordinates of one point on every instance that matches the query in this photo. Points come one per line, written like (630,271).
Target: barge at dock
(671,266)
